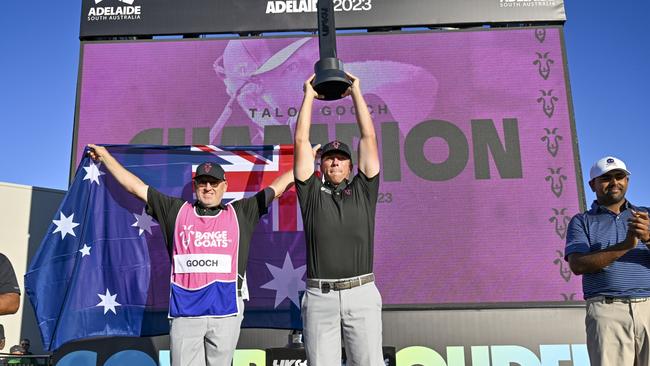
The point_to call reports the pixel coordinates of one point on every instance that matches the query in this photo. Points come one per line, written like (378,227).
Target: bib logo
(114,13)
(218,239)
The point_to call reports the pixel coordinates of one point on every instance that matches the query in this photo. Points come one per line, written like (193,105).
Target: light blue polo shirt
(600,228)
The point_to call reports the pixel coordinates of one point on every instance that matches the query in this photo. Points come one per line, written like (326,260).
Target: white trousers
(354,312)
(618,333)
(205,341)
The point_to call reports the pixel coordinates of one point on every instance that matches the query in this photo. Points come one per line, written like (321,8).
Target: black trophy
(330,81)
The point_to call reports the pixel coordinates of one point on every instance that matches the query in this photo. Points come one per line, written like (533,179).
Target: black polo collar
(208,211)
(337,188)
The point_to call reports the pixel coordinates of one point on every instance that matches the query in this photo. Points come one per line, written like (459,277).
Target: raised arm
(282,183)
(303,158)
(128,180)
(368,150)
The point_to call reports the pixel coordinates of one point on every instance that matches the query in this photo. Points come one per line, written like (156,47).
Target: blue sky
(606,44)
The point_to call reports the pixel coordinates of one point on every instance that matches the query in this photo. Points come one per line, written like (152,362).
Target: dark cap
(213,170)
(16,348)
(335,146)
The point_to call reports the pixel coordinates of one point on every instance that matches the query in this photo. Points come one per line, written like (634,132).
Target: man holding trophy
(338,214)
(339,219)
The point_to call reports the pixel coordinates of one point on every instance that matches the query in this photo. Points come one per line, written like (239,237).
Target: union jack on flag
(250,169)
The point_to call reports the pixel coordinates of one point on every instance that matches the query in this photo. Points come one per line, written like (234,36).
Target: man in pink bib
(209,243)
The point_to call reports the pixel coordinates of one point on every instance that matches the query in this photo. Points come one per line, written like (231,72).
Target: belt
(326,285)
(624,300)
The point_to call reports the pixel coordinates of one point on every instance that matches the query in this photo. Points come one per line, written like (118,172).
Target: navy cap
(335,146)
(213,170)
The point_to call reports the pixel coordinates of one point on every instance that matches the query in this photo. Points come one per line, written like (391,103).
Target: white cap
(605,165)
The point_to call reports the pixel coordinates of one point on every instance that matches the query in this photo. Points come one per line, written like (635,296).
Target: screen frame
(398,307)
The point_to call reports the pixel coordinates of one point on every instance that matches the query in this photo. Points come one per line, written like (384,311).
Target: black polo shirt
(339,225)
(8,281)
(249,210)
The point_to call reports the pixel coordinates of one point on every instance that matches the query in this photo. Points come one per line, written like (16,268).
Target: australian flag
(103,269)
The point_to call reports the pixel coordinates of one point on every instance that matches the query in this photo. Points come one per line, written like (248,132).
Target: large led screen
(479,163)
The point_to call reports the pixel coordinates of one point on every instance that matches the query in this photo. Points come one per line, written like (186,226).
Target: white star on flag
(108,302)
(93,173)
(144,222)
(287,281)
(65,225)
(84,251)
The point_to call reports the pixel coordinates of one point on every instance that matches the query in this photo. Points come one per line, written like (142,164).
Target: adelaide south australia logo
(114,10)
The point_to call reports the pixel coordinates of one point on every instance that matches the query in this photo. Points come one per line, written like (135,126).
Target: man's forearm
(581,263)
(282,183)
(9,303)
(303,158)
(303,124)
(128,180)
(364,120)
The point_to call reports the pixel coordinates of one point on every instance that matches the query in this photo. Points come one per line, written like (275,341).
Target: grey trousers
(618,334)
(205,341)
(356,312)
